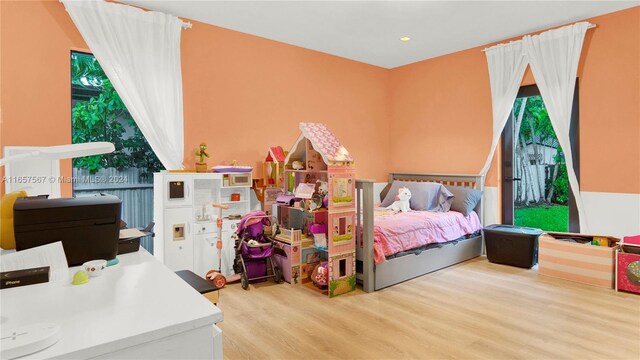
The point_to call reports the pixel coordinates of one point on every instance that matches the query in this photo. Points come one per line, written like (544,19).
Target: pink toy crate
(559,256)
(628,265)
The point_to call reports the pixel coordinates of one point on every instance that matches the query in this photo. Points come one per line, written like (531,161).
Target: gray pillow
(464,199)
(424,195)
(384,192)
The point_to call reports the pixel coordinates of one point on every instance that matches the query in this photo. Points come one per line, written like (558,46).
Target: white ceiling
(369,31)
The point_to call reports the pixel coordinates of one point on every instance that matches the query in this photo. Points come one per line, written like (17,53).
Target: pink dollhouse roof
(276,153)
(324,142)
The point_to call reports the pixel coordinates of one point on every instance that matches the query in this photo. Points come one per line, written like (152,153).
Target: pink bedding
(413,229)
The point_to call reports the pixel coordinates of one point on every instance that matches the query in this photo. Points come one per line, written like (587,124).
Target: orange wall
(242,93)
(441,110)
(447,101)
(34,68)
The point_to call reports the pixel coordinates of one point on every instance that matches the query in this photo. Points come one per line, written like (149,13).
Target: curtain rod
(185,25)
(591,26)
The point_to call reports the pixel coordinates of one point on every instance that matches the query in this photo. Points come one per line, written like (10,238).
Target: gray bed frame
(374,277)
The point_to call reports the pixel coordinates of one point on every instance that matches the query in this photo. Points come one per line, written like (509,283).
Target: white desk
(138,309)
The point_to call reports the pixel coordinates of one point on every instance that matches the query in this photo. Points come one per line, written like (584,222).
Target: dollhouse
(318,216)
(272,176)
(272,167)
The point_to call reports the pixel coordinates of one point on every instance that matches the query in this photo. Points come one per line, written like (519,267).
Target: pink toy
(320,274)
(318,228)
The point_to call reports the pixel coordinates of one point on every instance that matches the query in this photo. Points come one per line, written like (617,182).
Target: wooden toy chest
(628,265)
(584,263)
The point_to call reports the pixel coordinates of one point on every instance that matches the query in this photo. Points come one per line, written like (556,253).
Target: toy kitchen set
(186,231)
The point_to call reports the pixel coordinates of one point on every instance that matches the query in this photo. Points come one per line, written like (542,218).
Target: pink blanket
(413,229)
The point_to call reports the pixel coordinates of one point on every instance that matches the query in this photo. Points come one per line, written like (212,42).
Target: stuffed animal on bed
(402,201)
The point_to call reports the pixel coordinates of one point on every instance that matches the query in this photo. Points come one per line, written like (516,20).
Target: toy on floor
(215,276)
(255,249)
(402,201)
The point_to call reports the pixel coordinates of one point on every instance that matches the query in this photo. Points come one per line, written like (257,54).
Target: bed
(416,250)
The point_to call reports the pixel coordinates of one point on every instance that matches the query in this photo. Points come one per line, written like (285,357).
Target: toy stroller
(255,249)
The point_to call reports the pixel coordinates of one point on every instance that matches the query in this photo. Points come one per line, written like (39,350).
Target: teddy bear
(402,201)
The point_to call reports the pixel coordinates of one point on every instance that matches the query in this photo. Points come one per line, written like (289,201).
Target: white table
(137,309)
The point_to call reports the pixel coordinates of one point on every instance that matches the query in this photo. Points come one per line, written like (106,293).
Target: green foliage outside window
(561,185)
(103,118)
(536,117)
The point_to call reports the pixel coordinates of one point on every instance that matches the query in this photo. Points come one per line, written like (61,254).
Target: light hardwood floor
(472,310)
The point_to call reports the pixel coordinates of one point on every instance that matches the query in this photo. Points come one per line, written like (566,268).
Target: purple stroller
(254,250)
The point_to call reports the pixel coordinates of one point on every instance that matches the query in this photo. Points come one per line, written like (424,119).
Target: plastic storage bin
(512,245)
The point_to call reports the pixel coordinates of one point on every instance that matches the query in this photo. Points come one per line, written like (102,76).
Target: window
(98,114)
(535,188)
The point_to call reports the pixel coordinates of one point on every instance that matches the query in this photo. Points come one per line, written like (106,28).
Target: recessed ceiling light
(405,38)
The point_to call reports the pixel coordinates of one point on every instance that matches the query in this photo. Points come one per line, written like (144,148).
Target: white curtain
(140,53)
(506,69)
(553,56)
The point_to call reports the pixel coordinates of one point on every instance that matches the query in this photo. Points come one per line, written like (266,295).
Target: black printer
(88,226)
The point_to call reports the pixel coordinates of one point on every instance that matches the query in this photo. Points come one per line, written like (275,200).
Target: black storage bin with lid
(512,245)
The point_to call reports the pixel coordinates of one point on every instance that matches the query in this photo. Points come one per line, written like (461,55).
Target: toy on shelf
(318,206)
(297,165)
(320,275)
(273,166)
(323,190)
(319,232)
(201,166)
(234,167)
